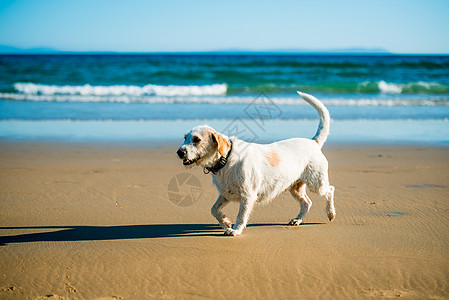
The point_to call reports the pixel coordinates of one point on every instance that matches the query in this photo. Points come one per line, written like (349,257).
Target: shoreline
(174,145)
(388,132)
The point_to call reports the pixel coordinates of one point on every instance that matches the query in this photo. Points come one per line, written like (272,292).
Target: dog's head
(203,146)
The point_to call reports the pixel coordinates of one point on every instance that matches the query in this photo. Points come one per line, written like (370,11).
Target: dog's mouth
(187,162)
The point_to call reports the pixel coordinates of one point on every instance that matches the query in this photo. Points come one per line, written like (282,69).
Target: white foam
(389,88)
(222,100)
(121,90)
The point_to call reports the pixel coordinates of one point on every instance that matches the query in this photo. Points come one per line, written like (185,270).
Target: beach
(95,204)
(99,221)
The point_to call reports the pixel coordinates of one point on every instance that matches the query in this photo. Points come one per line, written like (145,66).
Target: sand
(85,221)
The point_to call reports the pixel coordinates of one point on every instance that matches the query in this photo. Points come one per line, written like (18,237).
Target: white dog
(255,173)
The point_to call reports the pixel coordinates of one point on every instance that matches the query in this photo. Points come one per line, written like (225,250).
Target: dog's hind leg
(218,214)
(322,186)
(298,192)
(330,208)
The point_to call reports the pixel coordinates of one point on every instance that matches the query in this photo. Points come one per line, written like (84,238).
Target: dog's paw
(331,215)
(295,222)
(231,232)
(226,223)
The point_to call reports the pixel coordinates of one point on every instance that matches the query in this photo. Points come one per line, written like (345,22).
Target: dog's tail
(323,129)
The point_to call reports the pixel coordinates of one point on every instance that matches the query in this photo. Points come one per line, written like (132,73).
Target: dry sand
(95,222)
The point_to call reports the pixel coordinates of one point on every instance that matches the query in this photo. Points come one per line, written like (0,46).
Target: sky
(399,26)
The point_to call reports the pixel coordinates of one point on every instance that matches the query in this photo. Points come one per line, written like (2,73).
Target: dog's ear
(222,144)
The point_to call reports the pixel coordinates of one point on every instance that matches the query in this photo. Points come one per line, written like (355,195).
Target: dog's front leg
(218,214)
(246,206)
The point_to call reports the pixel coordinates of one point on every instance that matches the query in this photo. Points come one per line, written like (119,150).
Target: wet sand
(85,221)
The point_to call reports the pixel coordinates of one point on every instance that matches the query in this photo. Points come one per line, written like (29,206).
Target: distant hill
(5,49)
(354,50)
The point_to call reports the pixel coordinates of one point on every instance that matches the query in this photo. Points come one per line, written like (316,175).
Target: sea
(158,97)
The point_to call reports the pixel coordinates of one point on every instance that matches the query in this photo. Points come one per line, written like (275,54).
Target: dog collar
(220,163)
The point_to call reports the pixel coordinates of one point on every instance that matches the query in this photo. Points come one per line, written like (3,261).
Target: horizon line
(11,50)
(215,53)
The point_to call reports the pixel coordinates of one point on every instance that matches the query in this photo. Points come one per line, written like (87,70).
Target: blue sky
(400,26)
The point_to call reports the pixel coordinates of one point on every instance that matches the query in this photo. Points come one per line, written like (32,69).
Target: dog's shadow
(103,233)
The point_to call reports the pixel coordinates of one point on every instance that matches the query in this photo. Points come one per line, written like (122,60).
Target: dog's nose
(181,153)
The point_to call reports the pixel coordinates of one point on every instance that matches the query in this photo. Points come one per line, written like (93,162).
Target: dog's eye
(196,139)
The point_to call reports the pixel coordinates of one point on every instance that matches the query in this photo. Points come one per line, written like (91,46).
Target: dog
(253,173)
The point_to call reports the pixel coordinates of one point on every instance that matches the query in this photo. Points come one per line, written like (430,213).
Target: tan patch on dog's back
(273,159)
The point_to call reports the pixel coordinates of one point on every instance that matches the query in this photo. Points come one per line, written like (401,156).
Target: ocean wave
(131,93)
(366,87)
(121,90)
(229,100)
(410,88)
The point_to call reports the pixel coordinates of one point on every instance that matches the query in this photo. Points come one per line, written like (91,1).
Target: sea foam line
(221,89)
(121,90)
(220,100)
